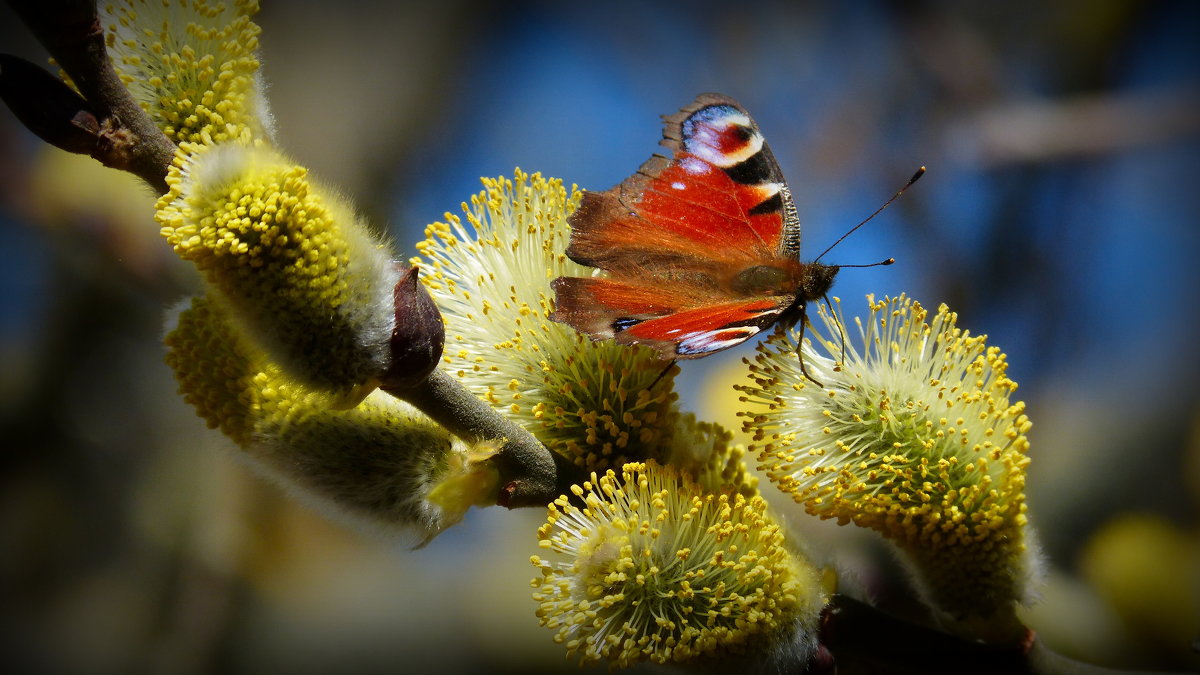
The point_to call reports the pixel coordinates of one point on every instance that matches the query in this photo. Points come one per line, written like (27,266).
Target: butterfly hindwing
(694,333)
(655,317)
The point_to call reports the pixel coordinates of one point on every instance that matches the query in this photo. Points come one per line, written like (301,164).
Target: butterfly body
(700,248)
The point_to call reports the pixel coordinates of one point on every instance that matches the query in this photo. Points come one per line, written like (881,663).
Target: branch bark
(122,135)
(864,639)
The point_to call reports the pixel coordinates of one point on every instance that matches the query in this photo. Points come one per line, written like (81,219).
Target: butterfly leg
(660,375)
(800,354)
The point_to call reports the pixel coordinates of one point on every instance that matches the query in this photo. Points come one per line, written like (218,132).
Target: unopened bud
(46,106)
(418,335)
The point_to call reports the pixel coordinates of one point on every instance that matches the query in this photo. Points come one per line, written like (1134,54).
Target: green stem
(530,474)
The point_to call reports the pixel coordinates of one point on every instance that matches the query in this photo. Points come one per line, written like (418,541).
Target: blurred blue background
(1059,217)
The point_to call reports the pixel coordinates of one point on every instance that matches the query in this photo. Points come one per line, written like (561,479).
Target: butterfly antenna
(664,372)
(889,261)
(915,177)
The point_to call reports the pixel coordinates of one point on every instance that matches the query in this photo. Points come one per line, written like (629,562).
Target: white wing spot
(768,190)
(693,166)
(702,343)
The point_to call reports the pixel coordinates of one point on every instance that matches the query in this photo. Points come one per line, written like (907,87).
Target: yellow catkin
(382,463)
(489,270)
(653,568)
(306,280)
(588,401)
(192,65)
(914,436)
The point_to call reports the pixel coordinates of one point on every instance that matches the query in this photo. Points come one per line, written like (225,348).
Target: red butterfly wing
(657,318)
(720,196)
(700,248)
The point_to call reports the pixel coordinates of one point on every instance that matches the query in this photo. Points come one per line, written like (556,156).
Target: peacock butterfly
(700,249)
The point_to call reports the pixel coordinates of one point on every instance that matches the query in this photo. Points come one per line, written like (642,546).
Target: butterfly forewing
(716,131)
(700,247)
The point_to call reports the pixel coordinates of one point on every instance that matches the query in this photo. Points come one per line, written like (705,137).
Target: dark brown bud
(418,336)
(821,662)
(47,106)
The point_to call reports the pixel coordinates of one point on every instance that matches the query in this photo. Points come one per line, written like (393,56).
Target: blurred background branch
(1082,127)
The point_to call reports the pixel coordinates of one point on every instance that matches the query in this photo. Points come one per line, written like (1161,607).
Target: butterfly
(701,248)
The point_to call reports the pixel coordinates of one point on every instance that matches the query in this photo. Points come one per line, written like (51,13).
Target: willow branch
(530,474)
(106,122)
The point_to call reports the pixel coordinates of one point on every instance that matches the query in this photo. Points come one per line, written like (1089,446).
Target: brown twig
(122,135)
(864,639)
(528,473)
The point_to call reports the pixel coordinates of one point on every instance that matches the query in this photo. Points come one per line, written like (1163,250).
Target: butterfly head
(816,281)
